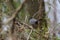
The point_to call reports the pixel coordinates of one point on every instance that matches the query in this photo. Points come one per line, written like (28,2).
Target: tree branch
(15,12)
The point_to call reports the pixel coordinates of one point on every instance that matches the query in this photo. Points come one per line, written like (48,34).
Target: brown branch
(15,12)
(29,26)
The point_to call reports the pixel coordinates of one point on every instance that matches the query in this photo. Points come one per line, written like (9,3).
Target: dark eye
(36,22)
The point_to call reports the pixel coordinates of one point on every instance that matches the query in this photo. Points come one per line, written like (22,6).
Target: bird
(33,21)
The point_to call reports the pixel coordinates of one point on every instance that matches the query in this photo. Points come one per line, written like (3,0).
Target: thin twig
(29,26)
(29,35)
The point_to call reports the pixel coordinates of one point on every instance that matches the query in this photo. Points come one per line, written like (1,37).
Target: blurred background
(29,20)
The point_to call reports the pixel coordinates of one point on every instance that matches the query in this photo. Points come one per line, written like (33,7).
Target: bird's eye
(36,22)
